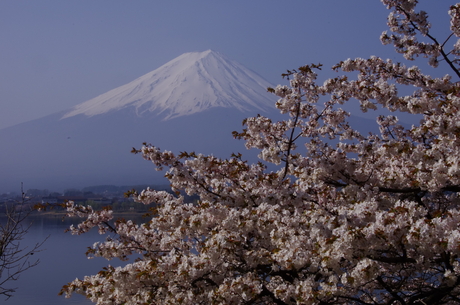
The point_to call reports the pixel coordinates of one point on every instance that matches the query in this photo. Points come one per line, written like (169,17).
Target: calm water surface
(61,261)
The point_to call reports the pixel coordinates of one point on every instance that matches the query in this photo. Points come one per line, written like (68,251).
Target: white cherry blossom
(346,218)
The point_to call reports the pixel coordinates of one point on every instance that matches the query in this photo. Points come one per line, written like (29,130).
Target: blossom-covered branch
(348,217)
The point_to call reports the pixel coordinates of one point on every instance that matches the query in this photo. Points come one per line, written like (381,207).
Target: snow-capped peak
(190,83)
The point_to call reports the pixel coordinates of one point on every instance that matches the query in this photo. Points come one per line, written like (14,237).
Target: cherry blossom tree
(347,218)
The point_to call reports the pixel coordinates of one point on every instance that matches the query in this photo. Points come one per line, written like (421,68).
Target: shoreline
(61,213)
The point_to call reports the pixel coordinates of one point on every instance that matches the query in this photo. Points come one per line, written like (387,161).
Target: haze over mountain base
(82,151)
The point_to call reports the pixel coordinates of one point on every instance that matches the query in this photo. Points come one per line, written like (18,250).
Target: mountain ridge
(190,83)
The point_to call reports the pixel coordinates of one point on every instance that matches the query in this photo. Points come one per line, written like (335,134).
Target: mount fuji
(191,103)
(188,84)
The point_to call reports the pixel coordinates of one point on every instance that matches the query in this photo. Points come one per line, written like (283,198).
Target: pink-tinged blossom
(344,218)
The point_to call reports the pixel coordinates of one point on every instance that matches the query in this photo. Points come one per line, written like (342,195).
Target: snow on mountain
(192,103)
(188,84)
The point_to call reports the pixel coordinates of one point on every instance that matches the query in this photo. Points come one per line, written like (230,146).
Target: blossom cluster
(346,218)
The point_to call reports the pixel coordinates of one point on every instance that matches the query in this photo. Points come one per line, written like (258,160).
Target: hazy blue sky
(55,54)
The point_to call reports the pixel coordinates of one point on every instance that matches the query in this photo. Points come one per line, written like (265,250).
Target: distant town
(96,196)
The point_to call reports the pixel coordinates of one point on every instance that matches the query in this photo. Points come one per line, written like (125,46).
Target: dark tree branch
(14,258)
(435,41)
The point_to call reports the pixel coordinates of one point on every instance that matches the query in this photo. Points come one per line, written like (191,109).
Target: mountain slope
(192,103)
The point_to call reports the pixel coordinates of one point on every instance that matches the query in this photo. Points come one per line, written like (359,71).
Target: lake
(61,261)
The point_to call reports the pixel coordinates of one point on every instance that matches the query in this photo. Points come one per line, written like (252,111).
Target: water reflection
(61,261)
